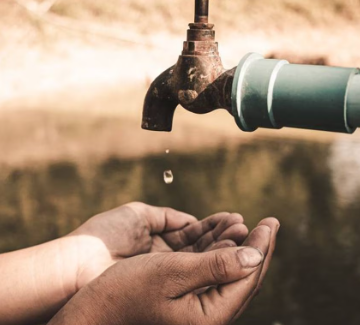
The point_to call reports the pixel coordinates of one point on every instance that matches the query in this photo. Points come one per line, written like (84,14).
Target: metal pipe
(201,11)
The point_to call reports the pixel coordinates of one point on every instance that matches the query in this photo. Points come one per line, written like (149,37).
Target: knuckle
(135,205)
(219,267)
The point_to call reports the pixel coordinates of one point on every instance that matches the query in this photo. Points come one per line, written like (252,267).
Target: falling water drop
(168,177)
(167,151)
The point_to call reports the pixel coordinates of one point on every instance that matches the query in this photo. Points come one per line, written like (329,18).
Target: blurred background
(73,78)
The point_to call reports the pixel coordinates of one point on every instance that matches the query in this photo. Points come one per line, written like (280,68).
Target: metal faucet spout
(198,81)
(160,104)
(259,92)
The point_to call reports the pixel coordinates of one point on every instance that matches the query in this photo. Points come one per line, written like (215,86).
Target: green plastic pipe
(272,93)
(353,103)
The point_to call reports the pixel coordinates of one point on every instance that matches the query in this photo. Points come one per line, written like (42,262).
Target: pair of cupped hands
(140,264)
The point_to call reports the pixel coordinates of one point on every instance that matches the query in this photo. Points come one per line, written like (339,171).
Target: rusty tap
(259,92)
(198,81)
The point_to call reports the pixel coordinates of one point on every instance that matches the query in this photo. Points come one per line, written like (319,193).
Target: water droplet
(168,176)
(167,151)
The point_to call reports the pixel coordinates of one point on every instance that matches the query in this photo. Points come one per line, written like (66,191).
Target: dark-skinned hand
(165,288)
(137,228)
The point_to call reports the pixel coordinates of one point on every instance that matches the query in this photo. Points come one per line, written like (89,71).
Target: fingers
(232,296)
(199,236)
(219,245)
(226,243)
(236,232)
(194,271)
(161,219)
(274,226)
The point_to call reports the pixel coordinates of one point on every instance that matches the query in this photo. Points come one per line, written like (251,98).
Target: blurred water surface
(313,188)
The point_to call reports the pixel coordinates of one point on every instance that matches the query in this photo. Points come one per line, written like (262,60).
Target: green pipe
(353,103)
(274,94)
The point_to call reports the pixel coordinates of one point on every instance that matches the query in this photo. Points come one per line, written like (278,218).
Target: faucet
(259,92)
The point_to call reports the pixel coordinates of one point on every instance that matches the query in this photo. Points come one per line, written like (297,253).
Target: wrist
(88,256)
(68,265)
(89,305)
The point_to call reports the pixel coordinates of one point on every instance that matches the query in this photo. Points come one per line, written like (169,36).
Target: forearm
(36,282)
(94,304)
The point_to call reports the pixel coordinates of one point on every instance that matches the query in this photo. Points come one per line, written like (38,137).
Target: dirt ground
(74,74)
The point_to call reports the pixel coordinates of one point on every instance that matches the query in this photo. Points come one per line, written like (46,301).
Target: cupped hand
(137,228)
(162,288)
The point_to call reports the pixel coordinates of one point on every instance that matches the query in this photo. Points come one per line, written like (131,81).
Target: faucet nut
(200,48)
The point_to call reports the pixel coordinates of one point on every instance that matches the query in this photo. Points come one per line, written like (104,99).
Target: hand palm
(137,228)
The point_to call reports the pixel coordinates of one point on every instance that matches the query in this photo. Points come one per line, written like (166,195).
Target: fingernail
(250,257)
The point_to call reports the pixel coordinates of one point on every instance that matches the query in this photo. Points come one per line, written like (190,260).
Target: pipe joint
(274,94)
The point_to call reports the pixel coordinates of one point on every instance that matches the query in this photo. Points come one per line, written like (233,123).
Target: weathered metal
(198,81)
(258,93)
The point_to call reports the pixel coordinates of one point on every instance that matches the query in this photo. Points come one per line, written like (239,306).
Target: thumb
(193,271)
